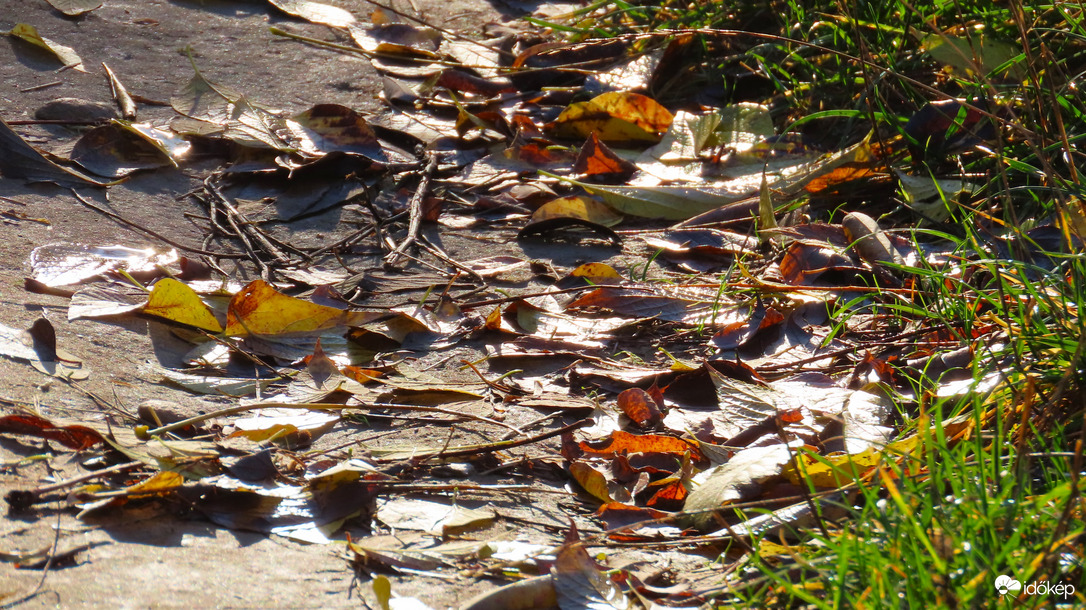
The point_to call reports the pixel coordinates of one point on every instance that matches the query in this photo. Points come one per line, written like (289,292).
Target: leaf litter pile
(731,374)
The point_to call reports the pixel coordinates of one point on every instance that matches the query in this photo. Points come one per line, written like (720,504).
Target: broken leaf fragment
(614,117)
(66,55)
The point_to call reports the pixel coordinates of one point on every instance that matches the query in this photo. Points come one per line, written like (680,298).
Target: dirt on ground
(163,560)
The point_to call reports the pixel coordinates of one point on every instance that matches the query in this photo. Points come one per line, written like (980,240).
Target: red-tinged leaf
(72,437)
(600,164)
(805,263)
(737,334)
(624,443)
(616,514)
(540,155)
(459,80)
(790,416)
(846,179)
(670,496)
(525,127)
(362,375)
(640,407)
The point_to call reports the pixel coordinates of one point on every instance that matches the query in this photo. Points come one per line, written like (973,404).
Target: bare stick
(415,211)
(145,230)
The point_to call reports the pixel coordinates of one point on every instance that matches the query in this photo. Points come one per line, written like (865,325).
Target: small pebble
(75,109)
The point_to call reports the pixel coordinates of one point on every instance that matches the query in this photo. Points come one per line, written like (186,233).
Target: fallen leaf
(65,264)
(120,94)
(614,117)
(78,438)
(739,479)
(577,207)
(580,583)
(38,346)
(621,443)
(119,149)
(269,424)
(260,309)
(640,407)
(20,160)
(330,127)
(174,301)
(73,8)
(315,12)
(598,163)
(66,55)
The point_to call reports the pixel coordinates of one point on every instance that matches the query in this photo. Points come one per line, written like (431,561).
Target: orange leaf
(639,406)
(598,161)
(623,442)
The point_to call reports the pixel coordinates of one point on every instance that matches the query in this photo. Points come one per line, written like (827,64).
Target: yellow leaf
(260,309)
(174,301)
(841,468)
(578,207)
(162,481)
(615,116)
(66,55)
(591,480)
(596,271)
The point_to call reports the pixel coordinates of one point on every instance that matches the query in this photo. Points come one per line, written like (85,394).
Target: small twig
(22,499)
(145,230)
(415,212)
(438,253)
(44,572)
(406,486)
(316,406)
(36,88)
(487,302)
(247,231)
